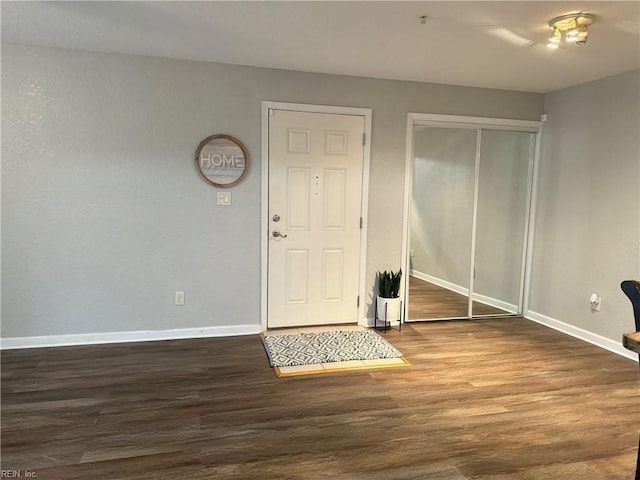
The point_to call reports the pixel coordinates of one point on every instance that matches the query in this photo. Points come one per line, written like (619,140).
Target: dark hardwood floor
(489,399)
(427,301)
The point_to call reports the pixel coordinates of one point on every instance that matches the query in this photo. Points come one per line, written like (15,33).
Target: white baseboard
(493,302)
(11,343)
(587,336)
(370,322)
(439,282)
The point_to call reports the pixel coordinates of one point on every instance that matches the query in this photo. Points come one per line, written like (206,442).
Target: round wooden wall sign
(222,160)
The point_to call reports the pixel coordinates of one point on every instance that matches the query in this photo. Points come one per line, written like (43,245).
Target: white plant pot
(388,309)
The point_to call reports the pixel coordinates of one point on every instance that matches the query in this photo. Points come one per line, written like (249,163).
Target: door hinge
(364,138)
(361,222)
(358,301)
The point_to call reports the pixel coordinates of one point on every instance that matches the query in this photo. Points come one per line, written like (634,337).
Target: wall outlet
(179,297)
(595,301)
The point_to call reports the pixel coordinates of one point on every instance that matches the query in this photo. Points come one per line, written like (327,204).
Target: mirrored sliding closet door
(468,219)
(501,220)
(441,215)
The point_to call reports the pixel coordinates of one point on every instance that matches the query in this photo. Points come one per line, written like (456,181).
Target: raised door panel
(297,276)
(297,198)
(332,275)
(334,199)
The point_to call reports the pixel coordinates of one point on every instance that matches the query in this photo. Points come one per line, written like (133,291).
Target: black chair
(631,289)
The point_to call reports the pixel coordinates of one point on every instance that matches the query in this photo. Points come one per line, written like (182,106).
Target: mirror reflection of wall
(441,220)
(501,219)
(462,174)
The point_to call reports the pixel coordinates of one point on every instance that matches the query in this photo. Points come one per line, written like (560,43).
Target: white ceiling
(476,43)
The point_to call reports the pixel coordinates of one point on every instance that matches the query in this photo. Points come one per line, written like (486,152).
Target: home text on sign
(216,161)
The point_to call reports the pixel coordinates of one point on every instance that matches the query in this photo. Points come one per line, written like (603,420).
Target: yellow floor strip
(340,367)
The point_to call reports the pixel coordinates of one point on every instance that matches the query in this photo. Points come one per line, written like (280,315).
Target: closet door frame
(436,120)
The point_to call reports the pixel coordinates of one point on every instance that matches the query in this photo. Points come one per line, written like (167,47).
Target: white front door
(315,187)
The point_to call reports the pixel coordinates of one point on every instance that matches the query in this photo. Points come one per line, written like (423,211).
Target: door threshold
(313,329)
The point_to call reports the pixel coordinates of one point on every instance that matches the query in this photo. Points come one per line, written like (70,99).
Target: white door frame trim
(264,222)
(534,126)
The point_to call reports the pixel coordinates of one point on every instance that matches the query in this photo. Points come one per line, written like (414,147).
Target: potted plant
(388,301)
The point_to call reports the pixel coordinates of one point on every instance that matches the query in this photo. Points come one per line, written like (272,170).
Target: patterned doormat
(322,351)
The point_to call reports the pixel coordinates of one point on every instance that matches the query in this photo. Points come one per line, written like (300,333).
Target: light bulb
(583,34)
(572,35)
(554,41)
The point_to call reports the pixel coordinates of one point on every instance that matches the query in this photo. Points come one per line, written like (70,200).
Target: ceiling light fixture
(573,25)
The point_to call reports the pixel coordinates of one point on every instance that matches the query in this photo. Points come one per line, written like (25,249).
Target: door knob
(277,234)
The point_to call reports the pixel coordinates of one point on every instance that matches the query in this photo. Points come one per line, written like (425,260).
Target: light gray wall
(588,227)
(104,216)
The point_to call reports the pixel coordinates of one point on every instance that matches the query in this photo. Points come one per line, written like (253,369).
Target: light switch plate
(224,198)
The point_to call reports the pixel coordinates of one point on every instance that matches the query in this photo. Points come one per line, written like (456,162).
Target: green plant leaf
(389,284)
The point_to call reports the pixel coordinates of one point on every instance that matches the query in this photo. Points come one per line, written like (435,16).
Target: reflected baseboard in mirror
(429,301)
